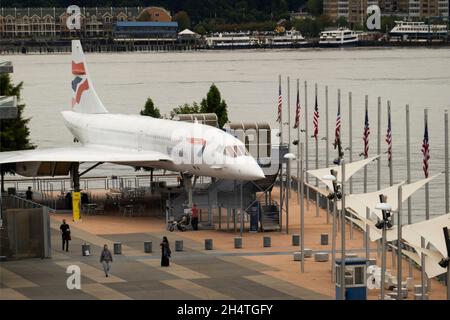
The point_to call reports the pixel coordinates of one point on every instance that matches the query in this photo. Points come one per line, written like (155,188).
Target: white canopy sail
(432,258)
(359,202)
(431,230)
(350,170)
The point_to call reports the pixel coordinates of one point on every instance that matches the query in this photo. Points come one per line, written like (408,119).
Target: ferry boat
(338,37)
(230,41)
(288,39)
(418,30)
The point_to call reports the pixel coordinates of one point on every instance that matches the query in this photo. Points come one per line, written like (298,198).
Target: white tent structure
(357,203)
(186,33)
(350,170)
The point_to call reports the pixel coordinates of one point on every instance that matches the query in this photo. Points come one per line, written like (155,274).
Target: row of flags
(337,133)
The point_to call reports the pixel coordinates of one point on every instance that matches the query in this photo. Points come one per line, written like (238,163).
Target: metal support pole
(446,165)
(298,148)
(408,179)
(281,163)
(383,260)
(288,181)
(306,144)
(379,158)
(317,161)
(350,150)
(343,230)
(302,210)
(366,235)
(399,245)
(333,242)
(242,209)
(327,159)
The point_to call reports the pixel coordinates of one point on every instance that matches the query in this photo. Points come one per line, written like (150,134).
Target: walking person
(65,234)
(194,220)
(29,194)
(106,259)
(165,252)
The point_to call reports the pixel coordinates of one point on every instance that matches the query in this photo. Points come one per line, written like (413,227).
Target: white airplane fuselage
(198,149)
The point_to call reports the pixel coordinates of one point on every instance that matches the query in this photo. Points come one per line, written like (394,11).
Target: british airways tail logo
(79,85)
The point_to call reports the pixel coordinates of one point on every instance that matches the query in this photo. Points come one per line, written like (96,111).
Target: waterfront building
(32,23)
(355,10)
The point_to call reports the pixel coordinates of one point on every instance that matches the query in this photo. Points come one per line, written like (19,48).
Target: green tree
(184,22)
(14,133)
(314,7)
(342,22)
(150,109)
(185,109)
(213,103)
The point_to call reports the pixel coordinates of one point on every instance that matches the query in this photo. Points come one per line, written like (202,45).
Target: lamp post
(335,195)
(445,263)
(384,224)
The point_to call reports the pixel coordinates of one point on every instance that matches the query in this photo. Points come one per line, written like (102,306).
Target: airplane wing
(57,161)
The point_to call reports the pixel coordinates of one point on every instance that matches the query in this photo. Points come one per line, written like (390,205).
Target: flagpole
(379,158)
(306,145)
(317,156)
(408,179)
(327,141)
(288,164)
(350,150)
(427,217)
(343,230)
(281,163)
(391,180)
(302,210)
(399,246)
(366,238)
(446,142)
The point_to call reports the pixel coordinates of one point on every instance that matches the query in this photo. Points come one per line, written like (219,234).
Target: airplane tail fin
(84,97)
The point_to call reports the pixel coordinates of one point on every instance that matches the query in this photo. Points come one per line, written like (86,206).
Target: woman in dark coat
(165,252)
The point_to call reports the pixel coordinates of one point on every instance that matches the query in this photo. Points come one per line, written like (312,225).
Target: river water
(248,81)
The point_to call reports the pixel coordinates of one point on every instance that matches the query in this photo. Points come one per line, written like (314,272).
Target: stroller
(182,224)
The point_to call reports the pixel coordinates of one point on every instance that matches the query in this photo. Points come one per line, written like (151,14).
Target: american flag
(297,112)
(425,151)
(366,135)
(280,103)
(316,119)
(389,139)
(337,133)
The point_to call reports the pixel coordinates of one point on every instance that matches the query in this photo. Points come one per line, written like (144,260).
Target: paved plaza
(253,272)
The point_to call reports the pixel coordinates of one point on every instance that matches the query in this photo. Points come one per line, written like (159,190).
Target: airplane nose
(255,172)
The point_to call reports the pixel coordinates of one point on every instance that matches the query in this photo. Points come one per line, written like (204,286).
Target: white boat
(418,30)
(230,40)
(338,37)
(289,38)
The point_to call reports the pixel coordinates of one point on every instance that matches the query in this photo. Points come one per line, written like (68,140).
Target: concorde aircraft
(193,149)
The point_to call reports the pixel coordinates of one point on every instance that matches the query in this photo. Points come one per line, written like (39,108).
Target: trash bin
(117,248)
(178,245)
(254,212)
(238,243)
(86,249)
(147,246)
(267,241)
(355,279)
(208,244)
(295,239)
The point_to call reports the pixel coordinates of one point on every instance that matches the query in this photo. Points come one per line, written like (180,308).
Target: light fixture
(383,206)
(295,142)
(289,156)
(443,263)
(329,177)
